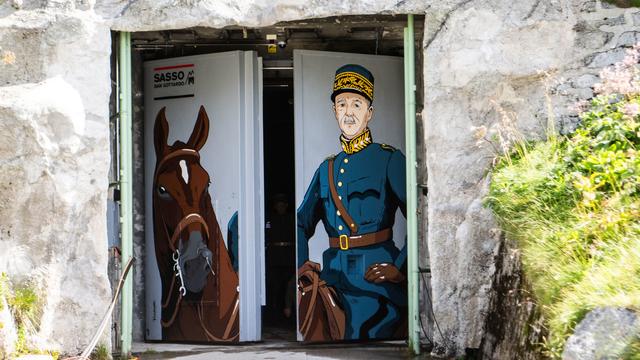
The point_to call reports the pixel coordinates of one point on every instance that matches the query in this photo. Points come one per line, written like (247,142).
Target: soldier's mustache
(349,120)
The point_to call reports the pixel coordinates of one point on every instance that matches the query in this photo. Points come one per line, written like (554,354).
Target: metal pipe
(412,185)
(126,198)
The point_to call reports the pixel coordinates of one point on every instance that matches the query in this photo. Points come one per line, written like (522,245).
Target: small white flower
(479,132)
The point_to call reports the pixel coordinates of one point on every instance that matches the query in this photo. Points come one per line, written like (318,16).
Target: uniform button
(341,171)
(346,160)
(340,227)
(339,183)
(338,212)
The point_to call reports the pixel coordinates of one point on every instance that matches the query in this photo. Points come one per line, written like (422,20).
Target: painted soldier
(232,240)
(356,194)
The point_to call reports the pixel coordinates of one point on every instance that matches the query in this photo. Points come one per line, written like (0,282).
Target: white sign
(174,81)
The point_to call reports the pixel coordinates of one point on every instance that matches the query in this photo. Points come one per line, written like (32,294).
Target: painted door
(203,191)
(350,193)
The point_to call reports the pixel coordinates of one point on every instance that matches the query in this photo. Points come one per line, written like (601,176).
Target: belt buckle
(344,246)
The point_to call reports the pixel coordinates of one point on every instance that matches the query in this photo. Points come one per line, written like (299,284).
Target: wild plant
(573,205)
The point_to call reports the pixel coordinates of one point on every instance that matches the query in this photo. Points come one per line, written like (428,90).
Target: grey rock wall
(604,333)
(54,157)
(53,228)
(8,331)
(145,15)
(478,56)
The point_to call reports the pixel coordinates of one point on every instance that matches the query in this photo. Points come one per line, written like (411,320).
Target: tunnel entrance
(274,48)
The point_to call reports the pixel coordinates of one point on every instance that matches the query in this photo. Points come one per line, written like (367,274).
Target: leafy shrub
(573,204)
(26,307)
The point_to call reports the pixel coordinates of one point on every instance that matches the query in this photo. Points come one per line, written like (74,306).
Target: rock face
(8,331)
(513,326)
(483,59)
(54,158)
(602,334)
(486,61)
(53,234)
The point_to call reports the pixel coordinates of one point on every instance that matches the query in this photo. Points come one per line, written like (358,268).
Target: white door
(203,193)
(317,137)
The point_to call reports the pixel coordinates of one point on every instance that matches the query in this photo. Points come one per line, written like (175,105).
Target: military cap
(353,78)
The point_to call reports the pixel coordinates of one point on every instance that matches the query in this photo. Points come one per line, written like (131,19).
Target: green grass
(573,205)
(4,289)
(100,353)
(26,307)
(24,304)
(632,351)
(624,3)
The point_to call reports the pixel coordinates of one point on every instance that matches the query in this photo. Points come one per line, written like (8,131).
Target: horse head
(183,214)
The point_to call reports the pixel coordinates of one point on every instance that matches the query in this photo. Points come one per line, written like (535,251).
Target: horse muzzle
(195,261)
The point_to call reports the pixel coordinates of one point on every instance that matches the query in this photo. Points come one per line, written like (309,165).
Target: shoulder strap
(353,227)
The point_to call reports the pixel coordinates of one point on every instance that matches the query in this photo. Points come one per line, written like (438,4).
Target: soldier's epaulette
(387,147)
(331,157)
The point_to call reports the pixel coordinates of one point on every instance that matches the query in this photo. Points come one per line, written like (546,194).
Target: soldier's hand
(309,265)
(381,272)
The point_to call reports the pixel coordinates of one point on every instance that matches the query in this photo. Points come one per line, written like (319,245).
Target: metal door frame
(126,201)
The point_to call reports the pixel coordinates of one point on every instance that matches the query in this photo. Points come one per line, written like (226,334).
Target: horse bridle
(189,219)
(192,218)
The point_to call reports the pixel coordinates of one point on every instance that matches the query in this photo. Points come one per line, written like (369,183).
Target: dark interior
(280,233)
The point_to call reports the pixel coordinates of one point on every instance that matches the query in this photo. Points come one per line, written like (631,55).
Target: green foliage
(632,352)
(21,342)
(602,152)
(574,207)
(100,353)
(4,289)
(624,3)
(24,305)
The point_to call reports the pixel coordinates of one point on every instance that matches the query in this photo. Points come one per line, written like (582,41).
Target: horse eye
(163,193)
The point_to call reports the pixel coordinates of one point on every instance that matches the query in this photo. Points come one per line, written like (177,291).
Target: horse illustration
(199,286)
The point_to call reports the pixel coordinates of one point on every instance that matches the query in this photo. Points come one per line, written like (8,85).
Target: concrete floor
(275,350)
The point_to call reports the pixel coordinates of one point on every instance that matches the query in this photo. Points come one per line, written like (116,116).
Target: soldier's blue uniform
(371,184)
(232,240)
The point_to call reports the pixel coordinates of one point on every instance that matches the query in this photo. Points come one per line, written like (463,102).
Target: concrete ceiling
(375,34)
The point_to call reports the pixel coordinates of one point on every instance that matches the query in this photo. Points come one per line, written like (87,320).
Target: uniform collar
(357,143)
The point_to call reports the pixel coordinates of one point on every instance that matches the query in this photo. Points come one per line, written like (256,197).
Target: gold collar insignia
(357,143)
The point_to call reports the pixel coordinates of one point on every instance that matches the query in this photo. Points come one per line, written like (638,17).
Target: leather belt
(345,242)
(280,244)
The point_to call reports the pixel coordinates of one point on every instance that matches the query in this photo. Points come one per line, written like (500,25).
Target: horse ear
(160,133)
(200,131)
